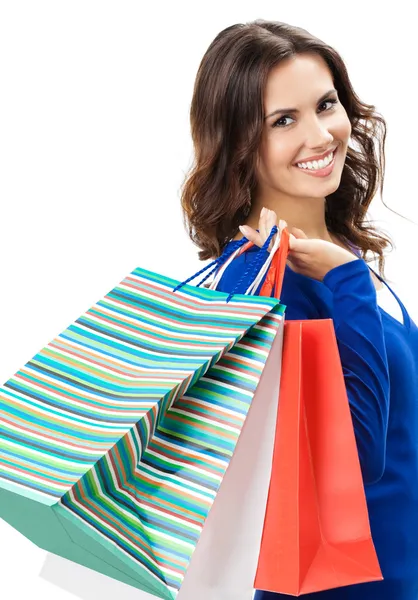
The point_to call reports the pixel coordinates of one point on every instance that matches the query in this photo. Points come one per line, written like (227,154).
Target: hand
(311,257)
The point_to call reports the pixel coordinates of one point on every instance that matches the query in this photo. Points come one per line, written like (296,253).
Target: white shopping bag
(224,563)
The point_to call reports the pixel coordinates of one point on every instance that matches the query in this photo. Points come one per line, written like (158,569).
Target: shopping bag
(316,532)
(115,437)
(224,563)
(225,560)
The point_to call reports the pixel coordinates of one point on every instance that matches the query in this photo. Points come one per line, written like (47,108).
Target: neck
(307,214)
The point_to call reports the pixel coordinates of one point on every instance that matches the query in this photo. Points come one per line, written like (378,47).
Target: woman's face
(319,125)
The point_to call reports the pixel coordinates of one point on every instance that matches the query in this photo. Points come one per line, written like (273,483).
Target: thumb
(298,233)
(293,242)
(297,239)
(299,244)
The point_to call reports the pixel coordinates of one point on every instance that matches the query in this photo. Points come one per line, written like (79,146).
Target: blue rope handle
(218,262)
(253,268)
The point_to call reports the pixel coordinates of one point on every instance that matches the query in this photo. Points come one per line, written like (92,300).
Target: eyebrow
(295,110)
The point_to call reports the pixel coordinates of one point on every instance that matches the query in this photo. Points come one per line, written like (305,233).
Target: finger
(298,233)
(251,234)
(262,223)
(291,264)
(270,223)
(294,245)
(282,225)
(299,246)
(272,219)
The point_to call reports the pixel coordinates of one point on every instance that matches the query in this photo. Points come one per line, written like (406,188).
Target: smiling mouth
(330,157)
(324,156)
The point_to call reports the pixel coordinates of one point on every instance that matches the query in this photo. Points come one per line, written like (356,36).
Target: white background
(94,146)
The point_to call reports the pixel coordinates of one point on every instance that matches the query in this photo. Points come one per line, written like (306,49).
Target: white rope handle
(266,265)
(221,271)
(260,274)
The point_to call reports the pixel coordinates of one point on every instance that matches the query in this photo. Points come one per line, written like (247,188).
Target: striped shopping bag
(116,436)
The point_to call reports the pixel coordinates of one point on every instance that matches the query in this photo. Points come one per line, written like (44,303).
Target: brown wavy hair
(227,118)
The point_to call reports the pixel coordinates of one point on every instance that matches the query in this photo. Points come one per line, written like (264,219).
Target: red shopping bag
(316,531)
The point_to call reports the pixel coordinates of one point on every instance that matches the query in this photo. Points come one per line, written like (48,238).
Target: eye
(332,101)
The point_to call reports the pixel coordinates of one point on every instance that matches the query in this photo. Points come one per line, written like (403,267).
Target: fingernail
(243,229)
(263,210)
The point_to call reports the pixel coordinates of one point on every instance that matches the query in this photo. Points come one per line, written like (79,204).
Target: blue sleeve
(360,338)
(361,343)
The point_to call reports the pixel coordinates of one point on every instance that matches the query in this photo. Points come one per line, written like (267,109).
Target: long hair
(227,119)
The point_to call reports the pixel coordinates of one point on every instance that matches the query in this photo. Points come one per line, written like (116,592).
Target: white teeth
(317,164)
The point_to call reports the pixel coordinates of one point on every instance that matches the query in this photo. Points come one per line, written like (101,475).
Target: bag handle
(243,244)
(218,262)
(275,264)
(266,266)
(220,272)
(276,272)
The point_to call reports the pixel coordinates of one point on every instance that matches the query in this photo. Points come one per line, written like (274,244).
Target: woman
(269,99)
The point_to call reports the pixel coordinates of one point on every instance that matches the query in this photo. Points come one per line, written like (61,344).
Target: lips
(317,157)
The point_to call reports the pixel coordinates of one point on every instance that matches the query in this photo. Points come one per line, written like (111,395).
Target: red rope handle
(276,271)
(275,274)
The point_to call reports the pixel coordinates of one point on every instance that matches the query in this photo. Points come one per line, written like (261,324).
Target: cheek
(342,126)
(279,152)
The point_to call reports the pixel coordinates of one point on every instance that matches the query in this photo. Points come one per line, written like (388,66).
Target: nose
(318,137)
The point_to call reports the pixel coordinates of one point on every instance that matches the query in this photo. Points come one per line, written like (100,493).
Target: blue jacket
(379,356)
